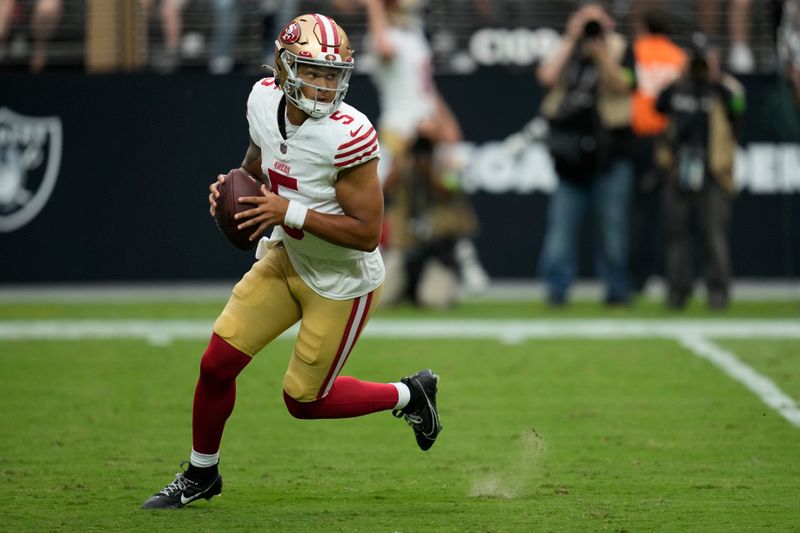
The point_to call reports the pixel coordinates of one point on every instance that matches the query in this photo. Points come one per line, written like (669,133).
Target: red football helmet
(313,40)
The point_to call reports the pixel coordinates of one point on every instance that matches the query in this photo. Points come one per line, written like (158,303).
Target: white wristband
(295,214)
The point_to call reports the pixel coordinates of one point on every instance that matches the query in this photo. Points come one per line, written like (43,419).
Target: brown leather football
(238,183)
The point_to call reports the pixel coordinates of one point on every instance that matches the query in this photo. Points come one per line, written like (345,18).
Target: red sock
(215,394)
(348,397)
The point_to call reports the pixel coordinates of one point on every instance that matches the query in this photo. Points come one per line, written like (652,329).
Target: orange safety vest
(659,62)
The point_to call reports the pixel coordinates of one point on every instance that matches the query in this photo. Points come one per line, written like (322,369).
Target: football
(238,183)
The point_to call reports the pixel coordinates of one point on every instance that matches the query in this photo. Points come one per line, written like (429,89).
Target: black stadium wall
(105,178)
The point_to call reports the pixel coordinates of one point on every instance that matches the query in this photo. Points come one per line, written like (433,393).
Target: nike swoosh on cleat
(185,500)
(354,133)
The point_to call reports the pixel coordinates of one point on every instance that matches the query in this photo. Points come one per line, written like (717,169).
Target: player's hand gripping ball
(238,183)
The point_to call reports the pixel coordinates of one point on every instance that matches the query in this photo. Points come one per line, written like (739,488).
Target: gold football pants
(271,298)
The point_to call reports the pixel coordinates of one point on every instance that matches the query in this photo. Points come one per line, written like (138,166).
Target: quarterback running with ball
(320,266)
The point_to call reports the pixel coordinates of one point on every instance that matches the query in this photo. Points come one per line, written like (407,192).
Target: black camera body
(592,30)
(698,68)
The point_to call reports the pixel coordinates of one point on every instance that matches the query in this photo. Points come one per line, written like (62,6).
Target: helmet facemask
(313,53)
(318,76)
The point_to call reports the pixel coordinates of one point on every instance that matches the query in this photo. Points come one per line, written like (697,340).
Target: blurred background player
(590,76)
(411,107)
(320,266)
(697,153)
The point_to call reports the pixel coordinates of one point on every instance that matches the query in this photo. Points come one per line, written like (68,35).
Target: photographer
(428,229)
(588,108)
(697,154)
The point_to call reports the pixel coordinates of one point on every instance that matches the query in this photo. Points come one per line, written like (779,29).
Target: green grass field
(540,434)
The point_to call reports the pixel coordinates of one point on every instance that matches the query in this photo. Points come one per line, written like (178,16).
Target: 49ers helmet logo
(291,33)
(30,157)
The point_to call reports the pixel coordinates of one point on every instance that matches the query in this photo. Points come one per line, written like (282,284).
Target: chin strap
(282,116)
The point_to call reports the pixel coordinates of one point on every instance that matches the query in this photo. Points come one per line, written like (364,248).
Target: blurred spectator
(740,58)
(170,14)
(44,22)
(411,107)
(275,14)
(659,62)
(788,41)
(740,54)
(227,15)
(697,153)
(591,76)
(46,15)
(7,8)
(429,220)
(794,79)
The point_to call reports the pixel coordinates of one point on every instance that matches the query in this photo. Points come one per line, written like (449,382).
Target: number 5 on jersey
(277,180)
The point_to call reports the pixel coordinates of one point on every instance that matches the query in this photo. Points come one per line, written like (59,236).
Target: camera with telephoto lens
(592,30)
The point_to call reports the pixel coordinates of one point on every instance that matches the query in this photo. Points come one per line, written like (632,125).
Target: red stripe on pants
(344,350)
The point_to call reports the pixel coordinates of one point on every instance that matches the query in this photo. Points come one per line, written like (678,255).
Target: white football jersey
(304,168)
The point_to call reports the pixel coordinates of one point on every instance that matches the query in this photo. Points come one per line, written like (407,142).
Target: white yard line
(760,385)
(218,290)
(692,334)
(504,330)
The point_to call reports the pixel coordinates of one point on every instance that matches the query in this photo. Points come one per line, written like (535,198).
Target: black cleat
(183,491)
(421,413)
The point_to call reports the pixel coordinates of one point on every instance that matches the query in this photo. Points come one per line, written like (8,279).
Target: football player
(403,75)
(320,265)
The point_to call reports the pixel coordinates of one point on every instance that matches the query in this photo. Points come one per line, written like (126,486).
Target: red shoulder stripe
(356,140)
(362,156)
(360,148)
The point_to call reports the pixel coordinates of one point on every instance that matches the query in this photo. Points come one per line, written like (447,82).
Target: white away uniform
(304,168)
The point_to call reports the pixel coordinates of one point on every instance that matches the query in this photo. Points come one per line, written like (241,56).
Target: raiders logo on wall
(30,158)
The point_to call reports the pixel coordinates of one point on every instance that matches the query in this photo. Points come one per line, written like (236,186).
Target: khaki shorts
(271,298)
